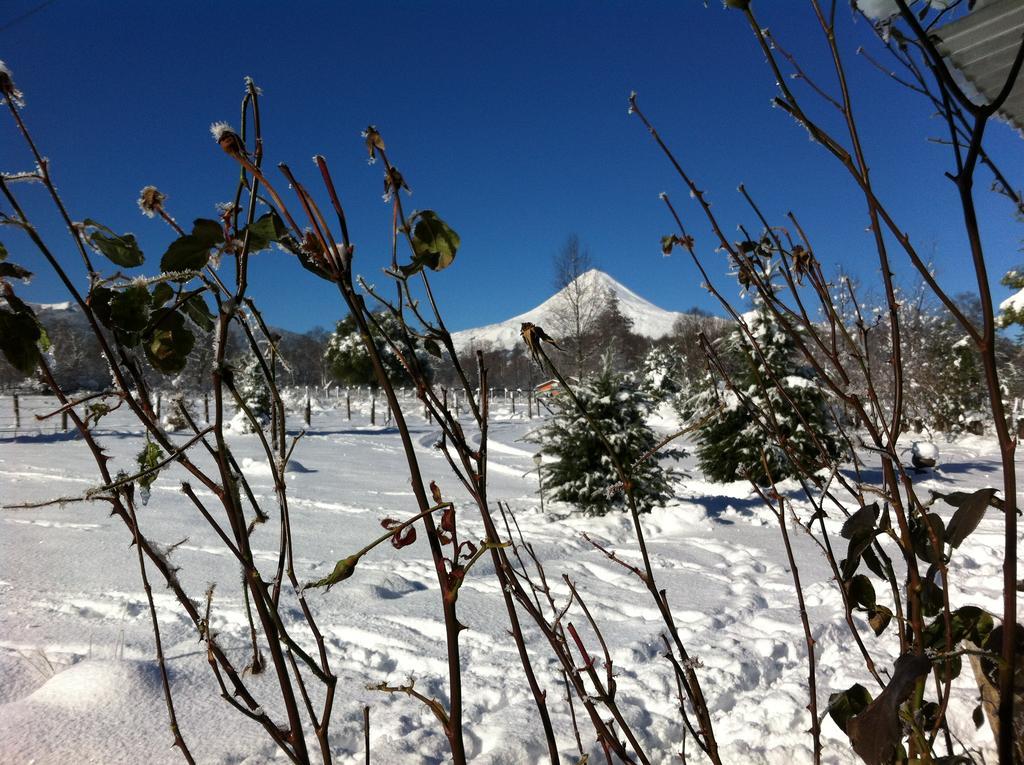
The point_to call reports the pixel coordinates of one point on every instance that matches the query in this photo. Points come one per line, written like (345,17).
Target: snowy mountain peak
(592,286)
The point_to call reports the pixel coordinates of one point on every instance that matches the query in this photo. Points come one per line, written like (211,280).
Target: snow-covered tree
(349,363)
(660,375)
(252,388)
(1011,310)
(580,471)
(943,377)
(756,417)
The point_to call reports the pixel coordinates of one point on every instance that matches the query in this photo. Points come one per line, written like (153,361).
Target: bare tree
(581,302)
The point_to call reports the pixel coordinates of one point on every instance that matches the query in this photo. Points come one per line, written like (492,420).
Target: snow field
(78,681)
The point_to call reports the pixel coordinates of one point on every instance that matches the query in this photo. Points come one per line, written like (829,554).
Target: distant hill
(648,320)
(79,363)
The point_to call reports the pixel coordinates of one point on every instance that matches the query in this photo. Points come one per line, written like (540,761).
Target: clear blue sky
(508,118)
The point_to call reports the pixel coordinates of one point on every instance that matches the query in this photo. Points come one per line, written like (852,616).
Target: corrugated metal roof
(982,46)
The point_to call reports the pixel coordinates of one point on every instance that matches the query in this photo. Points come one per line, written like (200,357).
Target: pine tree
(253,390)
(943,378)
(731,443)
(582,473)
(348,361)
(1011,310)
(660,375)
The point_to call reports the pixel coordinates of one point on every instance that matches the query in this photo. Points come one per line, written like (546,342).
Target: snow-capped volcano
(648,320)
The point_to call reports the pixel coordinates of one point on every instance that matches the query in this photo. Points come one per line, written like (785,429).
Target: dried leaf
(876,732)
(879,619)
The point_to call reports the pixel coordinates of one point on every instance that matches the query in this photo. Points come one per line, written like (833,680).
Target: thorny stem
(707,739)
(179,739)
(812,686)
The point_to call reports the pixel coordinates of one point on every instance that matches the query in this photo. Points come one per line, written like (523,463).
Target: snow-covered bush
(580,471)
(772,407)
(174,420)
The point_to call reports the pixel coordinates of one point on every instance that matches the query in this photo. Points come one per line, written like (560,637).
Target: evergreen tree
(583,474)
(943,379)
(660,375)
(348,361)
(1011,310)
(252,387)
(730,444)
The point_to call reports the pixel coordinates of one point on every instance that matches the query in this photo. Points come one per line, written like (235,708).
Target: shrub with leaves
(582,473)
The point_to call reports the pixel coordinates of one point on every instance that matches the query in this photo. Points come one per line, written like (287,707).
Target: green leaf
(931,597)
(121,249)
(266,230)
(862,520)
(968,516)
(148,459)
(949,668)
(207,230)
(161,294)
(99,300)
(343,569)
(13,271)
(44,344)
(922,540)
(431,347)
(434,243)
(17,304)
(860,542)
(196,309)
(967,623)
(847,704)
(19,334)
(93,412)
(861,592)
(873,563)
(129,308)
(168,343)
(192,251)
(860,529)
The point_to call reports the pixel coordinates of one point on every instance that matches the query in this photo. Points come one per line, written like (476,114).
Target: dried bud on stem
(151,201)
(228,139)
(7,86)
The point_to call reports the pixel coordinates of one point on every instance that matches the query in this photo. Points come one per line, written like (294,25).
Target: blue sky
(509,119)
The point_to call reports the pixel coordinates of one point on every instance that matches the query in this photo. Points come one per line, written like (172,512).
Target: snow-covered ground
(78,681)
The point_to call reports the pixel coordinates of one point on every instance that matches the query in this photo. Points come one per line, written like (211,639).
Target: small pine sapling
(581,472)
